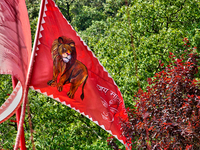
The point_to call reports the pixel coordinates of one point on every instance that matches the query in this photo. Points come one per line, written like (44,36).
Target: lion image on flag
(67,67)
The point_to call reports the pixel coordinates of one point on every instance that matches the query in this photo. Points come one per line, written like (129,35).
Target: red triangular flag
(66,69)
(15,50)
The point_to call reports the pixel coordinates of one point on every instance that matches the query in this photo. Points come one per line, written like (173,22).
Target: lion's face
(65,51)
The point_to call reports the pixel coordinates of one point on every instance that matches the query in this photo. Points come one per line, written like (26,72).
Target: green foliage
(7,129)
(157,28)
(5,87)
(33,7)
(85,16)
(58,127)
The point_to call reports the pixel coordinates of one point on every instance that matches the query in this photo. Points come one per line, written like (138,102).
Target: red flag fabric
(15,50)
(66,70)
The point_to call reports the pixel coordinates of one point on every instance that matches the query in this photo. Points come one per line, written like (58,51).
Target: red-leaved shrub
(112,143)
(167,115)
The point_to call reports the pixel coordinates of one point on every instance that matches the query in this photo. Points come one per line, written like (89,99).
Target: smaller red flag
(15,50)
(66,70)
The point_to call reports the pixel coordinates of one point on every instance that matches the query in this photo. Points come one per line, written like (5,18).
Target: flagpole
(18,113)
(28,78)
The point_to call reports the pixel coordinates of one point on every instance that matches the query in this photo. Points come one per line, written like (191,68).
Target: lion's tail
(82,95)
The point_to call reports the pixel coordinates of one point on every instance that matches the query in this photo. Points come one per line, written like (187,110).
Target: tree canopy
(109,28)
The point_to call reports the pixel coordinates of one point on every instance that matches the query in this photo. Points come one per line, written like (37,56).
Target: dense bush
(167,114)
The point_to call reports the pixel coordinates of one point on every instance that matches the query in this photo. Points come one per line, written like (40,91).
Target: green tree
(157,27)
(58,127)
(8,129)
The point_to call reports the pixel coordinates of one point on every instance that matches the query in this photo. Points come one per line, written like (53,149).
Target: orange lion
(70,69)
